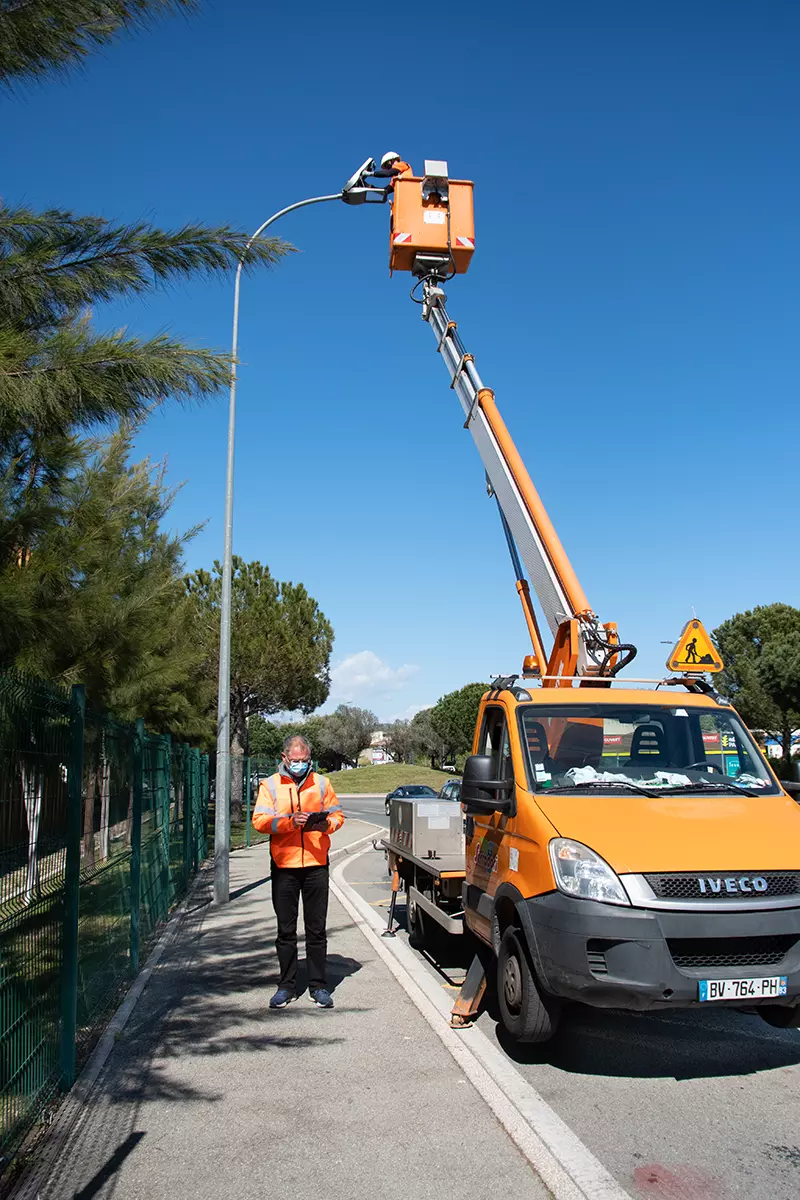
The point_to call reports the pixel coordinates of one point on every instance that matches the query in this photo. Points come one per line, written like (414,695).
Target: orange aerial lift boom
(432,236)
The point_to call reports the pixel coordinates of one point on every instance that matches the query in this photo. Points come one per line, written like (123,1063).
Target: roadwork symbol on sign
(694,652)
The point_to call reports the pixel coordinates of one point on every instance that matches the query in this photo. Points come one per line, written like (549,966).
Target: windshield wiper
(605,783)
(701,785)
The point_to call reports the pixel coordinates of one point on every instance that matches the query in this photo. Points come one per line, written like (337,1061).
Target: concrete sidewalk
(209,1095)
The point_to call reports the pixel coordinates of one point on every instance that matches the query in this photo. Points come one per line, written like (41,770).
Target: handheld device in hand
(317,820)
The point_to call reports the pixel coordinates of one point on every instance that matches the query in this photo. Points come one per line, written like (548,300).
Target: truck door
(485,834)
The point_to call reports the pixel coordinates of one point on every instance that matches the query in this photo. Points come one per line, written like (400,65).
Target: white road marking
(565,1164)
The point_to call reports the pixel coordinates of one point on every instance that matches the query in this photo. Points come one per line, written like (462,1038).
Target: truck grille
(686,886)
(696,953)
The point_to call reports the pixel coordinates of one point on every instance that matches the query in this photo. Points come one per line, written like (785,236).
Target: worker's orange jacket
(291,845)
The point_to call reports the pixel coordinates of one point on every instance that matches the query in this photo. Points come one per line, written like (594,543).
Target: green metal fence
(102,826)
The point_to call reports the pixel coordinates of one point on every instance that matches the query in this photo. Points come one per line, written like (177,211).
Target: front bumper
(615,957)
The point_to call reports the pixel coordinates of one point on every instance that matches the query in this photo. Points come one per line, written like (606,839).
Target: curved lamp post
(355,191)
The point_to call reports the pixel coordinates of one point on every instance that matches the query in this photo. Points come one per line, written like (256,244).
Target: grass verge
(386,778)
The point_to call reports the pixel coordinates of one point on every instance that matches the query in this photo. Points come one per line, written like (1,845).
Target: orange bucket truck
(625,842)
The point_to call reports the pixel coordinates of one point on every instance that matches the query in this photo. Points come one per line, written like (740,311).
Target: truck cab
(631,849)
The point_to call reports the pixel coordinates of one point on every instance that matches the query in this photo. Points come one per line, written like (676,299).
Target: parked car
(410,791)
(451,791)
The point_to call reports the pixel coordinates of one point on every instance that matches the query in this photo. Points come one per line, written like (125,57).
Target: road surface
(688,1105)
(367,808)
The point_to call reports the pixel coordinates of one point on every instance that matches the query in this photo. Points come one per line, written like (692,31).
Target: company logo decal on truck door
(486,856)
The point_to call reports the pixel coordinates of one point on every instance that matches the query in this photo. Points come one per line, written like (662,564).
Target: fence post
(203,807)
(136,843)
(72,881)
(166,777)
(187,815)
(195,810)
(248,784)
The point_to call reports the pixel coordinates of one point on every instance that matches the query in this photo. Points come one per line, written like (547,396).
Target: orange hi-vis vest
(291,845)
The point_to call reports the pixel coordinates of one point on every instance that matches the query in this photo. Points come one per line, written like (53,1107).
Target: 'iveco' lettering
(746,883)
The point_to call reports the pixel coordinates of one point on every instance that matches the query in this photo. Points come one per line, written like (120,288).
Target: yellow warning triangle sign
(694,652)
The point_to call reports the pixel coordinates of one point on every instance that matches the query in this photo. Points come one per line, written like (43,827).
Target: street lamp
(355,191)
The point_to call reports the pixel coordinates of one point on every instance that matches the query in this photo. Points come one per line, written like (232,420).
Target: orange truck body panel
(420,225)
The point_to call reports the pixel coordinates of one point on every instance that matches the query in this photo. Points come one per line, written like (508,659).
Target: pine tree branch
(80,380)
(53,263)
(40,37)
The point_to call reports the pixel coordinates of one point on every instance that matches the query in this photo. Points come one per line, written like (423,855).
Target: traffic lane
(689,1104)
(367,808)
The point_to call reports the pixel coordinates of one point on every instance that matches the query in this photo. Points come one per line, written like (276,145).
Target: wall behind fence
(102,826)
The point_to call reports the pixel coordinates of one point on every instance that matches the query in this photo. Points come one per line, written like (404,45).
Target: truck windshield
(666,749)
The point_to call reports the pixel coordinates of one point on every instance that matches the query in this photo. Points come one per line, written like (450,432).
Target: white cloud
(408,713)
(364,679)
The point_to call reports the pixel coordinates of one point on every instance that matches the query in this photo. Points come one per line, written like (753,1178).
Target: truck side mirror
(480,793)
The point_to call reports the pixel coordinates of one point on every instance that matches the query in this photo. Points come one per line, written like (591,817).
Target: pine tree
(38,37)
(59,375)
(281,646)
(110,604)
(90,585)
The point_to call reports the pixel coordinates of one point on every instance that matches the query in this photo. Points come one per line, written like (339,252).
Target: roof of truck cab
(668,698)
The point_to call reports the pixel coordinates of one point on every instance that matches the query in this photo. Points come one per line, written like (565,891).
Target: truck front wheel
(780,1016)
(527,1015)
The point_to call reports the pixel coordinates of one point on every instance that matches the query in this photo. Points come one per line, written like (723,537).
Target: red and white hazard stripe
(401,238)
(465,243)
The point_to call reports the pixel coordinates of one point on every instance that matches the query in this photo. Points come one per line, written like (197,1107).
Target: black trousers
(288,885)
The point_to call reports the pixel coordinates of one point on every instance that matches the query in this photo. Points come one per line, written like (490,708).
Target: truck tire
(525,1013)
(780,1016)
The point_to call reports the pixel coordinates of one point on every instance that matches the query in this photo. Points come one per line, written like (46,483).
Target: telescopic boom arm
(432,236)
(582,646)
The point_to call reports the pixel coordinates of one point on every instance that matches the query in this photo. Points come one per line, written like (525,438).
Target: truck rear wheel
(415,921)
(780,1016)
(526,1014)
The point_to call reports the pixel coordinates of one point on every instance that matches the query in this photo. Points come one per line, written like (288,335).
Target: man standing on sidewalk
(299,810)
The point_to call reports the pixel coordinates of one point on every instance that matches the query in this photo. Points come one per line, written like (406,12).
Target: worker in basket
(299,810)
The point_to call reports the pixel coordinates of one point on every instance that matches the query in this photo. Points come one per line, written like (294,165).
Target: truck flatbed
(433,887)
(447,866)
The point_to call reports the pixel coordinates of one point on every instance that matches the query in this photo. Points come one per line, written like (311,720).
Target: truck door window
(494,742)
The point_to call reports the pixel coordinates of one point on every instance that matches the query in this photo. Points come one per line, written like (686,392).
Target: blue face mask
(299,769)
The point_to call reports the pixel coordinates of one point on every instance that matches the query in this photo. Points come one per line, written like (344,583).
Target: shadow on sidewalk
(206,1000)
(341,968)
(109,1168)
(250,887)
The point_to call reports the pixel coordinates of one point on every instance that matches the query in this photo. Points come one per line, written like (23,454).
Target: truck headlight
(581,873)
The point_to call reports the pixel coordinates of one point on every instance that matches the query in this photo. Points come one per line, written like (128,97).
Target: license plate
(742,989)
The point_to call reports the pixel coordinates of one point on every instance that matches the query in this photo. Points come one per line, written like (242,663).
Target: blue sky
(632,301)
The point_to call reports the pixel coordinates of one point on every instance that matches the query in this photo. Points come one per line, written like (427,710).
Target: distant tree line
(439,735)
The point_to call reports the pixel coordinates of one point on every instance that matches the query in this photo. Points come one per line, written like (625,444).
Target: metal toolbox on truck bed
(431,829)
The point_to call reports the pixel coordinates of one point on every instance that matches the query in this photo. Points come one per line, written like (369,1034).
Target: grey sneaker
(282,998)
(322,998)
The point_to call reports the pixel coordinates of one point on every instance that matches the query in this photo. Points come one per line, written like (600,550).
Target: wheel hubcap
(512,983)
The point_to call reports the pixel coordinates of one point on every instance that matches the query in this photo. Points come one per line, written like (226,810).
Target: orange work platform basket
(431,216)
